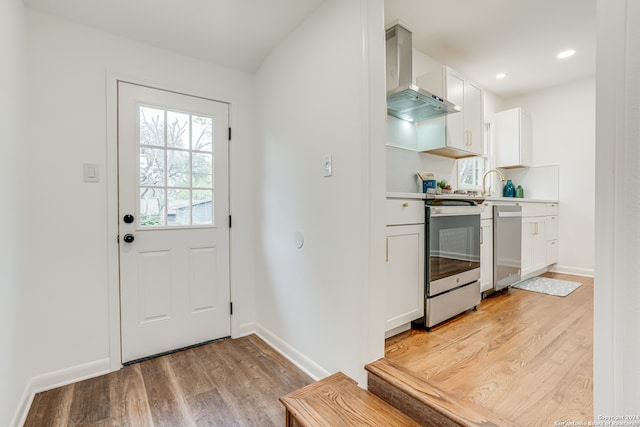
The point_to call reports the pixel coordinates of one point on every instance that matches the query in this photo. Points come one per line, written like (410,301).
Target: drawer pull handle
(387,255)
(405,205)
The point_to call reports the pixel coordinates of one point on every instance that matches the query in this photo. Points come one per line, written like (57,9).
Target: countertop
(394,195)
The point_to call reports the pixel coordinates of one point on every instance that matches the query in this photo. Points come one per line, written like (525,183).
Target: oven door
(453,239)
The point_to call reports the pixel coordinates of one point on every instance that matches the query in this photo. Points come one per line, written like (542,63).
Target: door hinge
(229,134)
(229,221)
(231,308)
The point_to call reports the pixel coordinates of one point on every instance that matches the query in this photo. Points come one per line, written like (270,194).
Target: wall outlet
(327,163)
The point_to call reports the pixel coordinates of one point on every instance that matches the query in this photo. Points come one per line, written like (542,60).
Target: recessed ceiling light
(500,76)
(566,54)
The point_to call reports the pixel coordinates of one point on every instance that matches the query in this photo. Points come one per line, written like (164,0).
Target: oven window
(454,245)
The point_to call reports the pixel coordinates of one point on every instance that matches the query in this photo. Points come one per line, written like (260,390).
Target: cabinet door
(527,246)
(552,252)
(456,136)
(404,275)
(552,227)
(539,241)
(534,244)
(486,254)
(473,118)
(526,142)
(512,145)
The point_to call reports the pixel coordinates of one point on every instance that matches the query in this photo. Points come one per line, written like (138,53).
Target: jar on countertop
(509,190)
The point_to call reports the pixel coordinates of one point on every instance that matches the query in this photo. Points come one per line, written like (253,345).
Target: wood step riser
(410,406)
(424,402)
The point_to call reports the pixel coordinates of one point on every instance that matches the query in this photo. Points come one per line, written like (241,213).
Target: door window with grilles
(175,168)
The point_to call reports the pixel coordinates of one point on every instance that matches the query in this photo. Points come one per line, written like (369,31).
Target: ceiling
(235,33)
(481,38)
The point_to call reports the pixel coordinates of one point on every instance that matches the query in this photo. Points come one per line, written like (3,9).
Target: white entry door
(174,220)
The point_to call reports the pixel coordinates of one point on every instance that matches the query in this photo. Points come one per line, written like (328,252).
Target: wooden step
(425,402)
(338,401)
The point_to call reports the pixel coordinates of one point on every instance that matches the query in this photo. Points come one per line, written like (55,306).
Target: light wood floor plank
(133,405)
(527,357)
(523,355)
(226,383)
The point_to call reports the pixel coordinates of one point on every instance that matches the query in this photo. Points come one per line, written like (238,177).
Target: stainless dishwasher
(507,246)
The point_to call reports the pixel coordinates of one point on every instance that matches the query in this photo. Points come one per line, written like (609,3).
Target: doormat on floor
(545,285)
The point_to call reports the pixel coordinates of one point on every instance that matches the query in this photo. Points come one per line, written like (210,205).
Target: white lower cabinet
(404,275)
(534,244)
(404,269)
(539,237)
(486,254)
(552,234)
(552,251)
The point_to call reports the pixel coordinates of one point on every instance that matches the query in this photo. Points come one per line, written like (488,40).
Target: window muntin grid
(175,168)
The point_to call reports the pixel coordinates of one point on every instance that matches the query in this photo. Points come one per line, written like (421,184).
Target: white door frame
(111,179)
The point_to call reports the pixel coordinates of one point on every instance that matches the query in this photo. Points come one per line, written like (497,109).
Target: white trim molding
(296,357)
(57,379)
(576,271)
(617,218)
(113,275)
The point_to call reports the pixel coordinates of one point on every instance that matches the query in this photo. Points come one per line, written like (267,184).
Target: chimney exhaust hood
(405,100)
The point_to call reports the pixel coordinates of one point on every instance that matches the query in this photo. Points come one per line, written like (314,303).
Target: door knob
(128,218)
(129,238)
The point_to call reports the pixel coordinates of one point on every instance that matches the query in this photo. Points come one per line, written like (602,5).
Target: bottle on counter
(509,190)
(520,192)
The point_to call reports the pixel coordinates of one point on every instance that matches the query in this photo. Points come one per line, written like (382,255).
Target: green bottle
(520,192)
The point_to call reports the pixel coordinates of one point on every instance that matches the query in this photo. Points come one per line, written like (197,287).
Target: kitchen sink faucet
(484,191)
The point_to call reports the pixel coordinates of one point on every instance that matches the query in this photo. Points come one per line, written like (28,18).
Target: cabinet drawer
(534,209)
(552,209)
(402,211)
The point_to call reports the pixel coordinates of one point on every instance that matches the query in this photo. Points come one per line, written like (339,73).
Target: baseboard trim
(308,366)
(57,379)
(565,269)
(24,405)
(397,330)
(244,330)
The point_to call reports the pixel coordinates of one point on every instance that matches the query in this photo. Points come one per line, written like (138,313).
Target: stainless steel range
(452,258)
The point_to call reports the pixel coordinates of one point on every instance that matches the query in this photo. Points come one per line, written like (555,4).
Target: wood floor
(528,357)
(226,383)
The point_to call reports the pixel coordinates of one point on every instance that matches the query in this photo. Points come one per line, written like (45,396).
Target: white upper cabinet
(456,135)
(512,145)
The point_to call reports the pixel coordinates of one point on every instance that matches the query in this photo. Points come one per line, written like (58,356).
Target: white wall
(617,283)
(402,166)
(71,272)
(319,302)
(563,122)
(13,367)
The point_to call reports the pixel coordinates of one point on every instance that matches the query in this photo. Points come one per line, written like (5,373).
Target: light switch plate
(91,172)
(327,165)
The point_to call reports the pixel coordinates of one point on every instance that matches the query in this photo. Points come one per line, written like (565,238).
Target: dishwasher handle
(509,214)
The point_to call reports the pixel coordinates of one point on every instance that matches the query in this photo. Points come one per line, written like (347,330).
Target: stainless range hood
(405,100)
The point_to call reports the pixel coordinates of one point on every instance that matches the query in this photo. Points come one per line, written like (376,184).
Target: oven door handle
(455,211)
